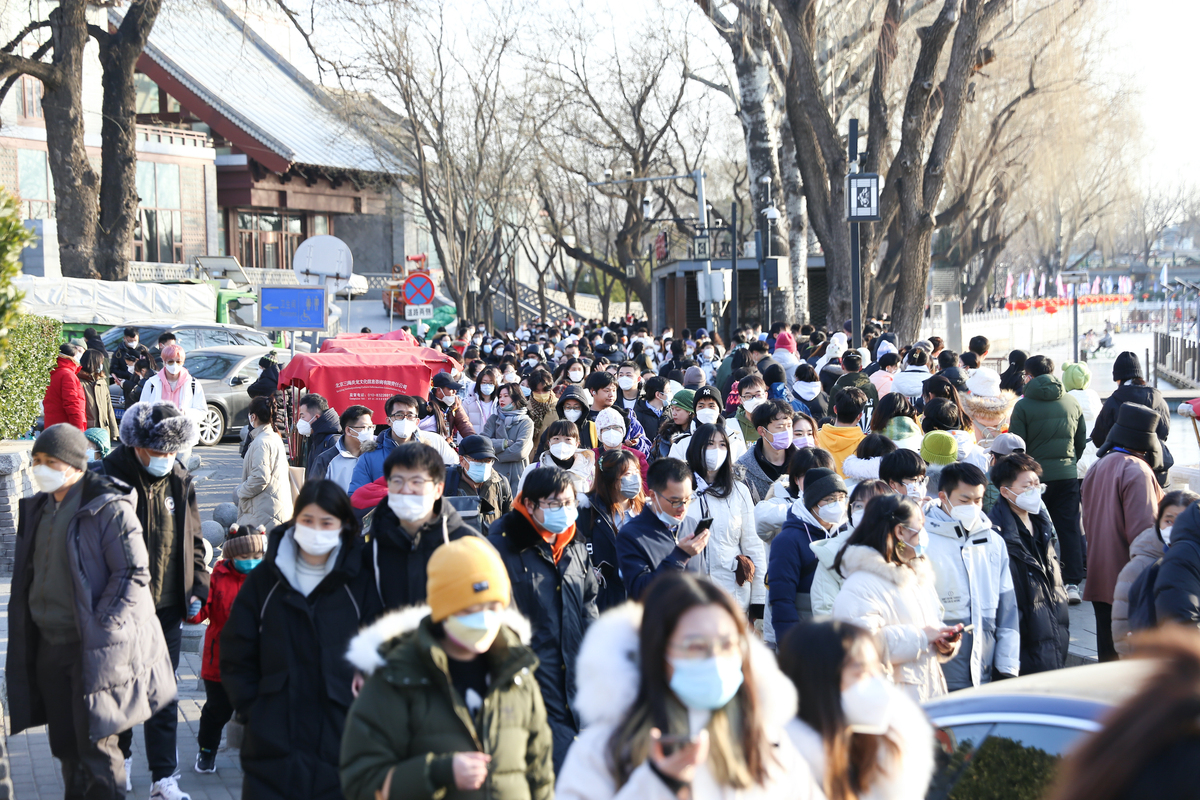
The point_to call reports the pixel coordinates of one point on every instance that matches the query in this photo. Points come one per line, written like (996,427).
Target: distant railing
(1177,357)
(180,137)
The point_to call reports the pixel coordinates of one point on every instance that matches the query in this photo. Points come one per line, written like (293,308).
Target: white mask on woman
(713,459)
(314,541)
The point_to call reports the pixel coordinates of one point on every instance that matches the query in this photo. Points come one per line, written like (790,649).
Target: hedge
(32,351)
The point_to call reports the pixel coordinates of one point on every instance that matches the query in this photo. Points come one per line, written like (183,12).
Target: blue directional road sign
(292,308)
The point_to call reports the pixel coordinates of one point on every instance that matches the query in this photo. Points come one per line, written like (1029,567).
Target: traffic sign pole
(855,255)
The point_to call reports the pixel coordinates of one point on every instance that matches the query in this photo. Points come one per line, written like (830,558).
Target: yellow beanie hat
(465,572)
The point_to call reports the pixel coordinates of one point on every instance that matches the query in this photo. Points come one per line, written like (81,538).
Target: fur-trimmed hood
(989,411)
(609,677)
(867,559)
(158,426)
(365,648)
(861,469)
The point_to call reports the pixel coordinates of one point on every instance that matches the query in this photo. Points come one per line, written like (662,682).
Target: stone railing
(180,137)
(16,482)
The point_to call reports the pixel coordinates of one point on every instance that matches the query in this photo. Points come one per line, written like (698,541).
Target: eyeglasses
(555,505)
(677,504)
(404,415)
(417,483)
(697,648)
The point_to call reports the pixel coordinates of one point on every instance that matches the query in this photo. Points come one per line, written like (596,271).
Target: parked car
(190,335)
(225,373)
(1013,733)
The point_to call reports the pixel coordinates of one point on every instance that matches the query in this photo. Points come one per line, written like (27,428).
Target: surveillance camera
(629,172)
(765,180)
(646,206)
(608,174)
(771,213)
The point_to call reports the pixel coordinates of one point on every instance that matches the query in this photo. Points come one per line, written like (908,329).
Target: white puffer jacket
(903,776)
(909,381)
(896,602)
(827,583)
(1090,403)
(607,685)
(732,534)
(264,496)
(771,512)
(857,470)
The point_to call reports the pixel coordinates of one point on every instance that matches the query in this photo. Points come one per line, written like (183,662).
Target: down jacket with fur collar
(609,681)
(409,720)
(989,415)
(897,602)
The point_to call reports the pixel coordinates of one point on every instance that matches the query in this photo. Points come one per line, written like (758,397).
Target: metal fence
(1177,357)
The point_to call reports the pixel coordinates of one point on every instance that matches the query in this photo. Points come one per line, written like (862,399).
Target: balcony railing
(179,137)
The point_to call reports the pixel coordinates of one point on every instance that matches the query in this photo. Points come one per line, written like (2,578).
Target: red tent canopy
(366,379)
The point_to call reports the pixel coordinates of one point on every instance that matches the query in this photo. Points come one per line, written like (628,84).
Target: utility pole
(733,314)
(862,205)
(706,265)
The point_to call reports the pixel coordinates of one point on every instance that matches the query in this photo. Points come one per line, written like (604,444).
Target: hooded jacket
(1120,500)
(974,585)
(1146,396)
(370,465)
(1037,582)
(224,585)
(841,442)
(609,680)
(1177,587)
(326,430)
(284,670)
(826,582)
(1051,423)
(989,415)
(589,437)
(909,381)
(64,400)
(126,669)
(791,568)
(512,437)
(559,600)
(896,602)
(1145,550)
(409,719)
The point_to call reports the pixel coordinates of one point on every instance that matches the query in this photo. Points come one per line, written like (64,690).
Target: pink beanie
(785,341)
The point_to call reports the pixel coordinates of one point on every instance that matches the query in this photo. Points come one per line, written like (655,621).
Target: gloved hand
(193,607)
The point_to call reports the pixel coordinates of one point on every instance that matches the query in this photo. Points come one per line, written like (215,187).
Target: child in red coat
(244,549)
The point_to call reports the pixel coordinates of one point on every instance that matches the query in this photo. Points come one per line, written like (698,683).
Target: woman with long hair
(511,432)
(265,493)
(616,497)
(737,559)
(481,404)
(890,591)
(896,418)
(98,409)
(1013,378)
(863,738)
(681,699)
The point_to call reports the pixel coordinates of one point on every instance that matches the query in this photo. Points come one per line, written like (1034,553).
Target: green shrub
(32,351)
(13,239)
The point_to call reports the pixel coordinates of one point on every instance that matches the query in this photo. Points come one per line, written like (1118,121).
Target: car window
(187,339)
(213,337)
(254,338)
(956,748)
(210,366)
(1022,758)
(249,370)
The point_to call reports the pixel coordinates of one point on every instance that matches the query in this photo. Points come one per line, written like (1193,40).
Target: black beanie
(819,483)
(65,442)
(1127,367)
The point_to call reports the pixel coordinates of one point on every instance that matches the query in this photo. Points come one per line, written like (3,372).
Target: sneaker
(168,789)
(129,774)
(206,761)
(1073,595)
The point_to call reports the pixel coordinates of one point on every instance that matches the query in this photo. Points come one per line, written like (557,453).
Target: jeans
(91,770)
(1105,651)
(1062,501)
(159,730)
(216,712)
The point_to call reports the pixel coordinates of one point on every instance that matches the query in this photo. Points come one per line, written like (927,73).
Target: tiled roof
(215,54)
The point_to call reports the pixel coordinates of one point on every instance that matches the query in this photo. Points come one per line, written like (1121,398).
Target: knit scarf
(538,409)
(173,393)
(557,543)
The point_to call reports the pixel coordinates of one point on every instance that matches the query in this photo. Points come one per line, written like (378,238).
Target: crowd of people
(593,561)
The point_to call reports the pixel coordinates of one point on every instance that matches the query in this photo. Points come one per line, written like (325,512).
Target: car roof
(173,324)
(235,350)
(1086,692)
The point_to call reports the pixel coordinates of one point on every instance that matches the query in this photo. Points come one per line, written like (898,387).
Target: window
(188,339)
(147,94)
(973,760)
(320,225)
(251,338)
(36,186)
(209,366)
(213,337)
(158,234)
(31,99)
(268,240)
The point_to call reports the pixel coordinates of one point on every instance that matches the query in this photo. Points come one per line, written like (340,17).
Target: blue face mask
(244,565)
(557,520)
(478,470)
(159,465)
(706,683)
(479,621)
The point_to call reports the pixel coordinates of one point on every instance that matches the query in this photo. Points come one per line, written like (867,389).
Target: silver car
(225,373)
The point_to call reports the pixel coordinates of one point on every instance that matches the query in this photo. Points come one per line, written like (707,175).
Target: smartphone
(703,525)
(966,629)
(673,744)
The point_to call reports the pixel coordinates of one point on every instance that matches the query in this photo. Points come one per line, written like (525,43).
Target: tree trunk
(796,213)
(542,301)
(75,186)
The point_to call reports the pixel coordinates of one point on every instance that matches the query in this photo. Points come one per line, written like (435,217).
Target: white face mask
(707,416)
(967,515)
(404,428)
(713,459)
(48,479)
(626,383)
(612,437)
(304,427)
(575,375)
(856,517)
(314,541)
(173,368)
(749,405)
(833,513)
(573,414)
(411,507)
(563,450)
(915,490)
(260,371)
(707,353)
(486,389)
(1030,500)
(1166,535)
(531,362)
(510,377)
(868,706)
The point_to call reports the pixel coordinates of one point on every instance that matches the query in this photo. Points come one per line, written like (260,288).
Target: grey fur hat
(158,426)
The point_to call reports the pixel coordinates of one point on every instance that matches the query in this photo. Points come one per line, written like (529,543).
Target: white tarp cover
(81,300)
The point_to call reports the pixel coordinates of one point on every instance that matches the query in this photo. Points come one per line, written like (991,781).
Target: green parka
(409,717)
(1051,423)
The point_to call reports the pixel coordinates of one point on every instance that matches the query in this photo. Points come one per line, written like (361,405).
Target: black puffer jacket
(1177,587)
(1037,583)
(559,600)
(396,562)
(595,528)
(326,430)
(1131,393)
(283,666)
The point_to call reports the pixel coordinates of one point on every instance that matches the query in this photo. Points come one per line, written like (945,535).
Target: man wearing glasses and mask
(402,427)
(651,543)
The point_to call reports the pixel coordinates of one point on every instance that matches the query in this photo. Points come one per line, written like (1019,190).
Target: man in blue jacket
(402,427)
(647,545)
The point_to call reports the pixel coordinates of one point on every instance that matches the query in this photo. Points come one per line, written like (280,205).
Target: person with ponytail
(265,494)
(863,738)
(890,591)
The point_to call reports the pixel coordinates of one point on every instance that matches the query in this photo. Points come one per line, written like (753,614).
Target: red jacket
(64,400)
(222,588)
(369,494)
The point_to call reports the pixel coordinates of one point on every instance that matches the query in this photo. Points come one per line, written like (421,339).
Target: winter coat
(1131,393)
(732,534)
(320,467)
(370,465)
(1051,423)
(903,776)
(512,436)
(882,380)
(123,464)
(975,587)
(396,561)
(896,602)
(559,600)
(1089,403)
(989,415)
(265,384)
(788,361)
(137,352)
(1145,550)
(98,407)
(646,548)
(599,532)
(756,480)
(841,442)
(649,418)
(1120,500)
(856,380)
(858,470)
(589,437)
(223,588)
(771,512)
(582,470)
(791,568)
(64,400)
(191,399)
(283,667)
(1037,582)
(826,582)
(609,680)
(816,406)
(479,411)
(409,719)
(265,494)
(326,430)
(909,382)
(733,431)
(451,421)
(126,669)
(1177,587)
